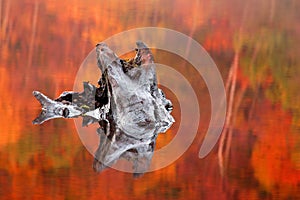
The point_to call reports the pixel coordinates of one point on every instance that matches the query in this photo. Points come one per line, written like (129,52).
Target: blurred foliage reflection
(43,44)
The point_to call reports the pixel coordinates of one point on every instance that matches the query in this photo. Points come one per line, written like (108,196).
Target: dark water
(255,45)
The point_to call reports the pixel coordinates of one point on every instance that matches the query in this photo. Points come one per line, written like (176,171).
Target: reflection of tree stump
(129,107)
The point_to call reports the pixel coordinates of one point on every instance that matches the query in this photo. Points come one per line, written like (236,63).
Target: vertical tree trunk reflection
(235,97)
(227,131)
(33,33)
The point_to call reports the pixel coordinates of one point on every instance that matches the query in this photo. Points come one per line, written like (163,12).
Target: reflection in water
(128,106)
(43,44)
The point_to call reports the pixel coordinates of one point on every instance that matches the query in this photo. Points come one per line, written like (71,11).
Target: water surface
(43,44)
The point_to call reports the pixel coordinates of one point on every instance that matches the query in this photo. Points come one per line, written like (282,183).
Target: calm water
(255,45)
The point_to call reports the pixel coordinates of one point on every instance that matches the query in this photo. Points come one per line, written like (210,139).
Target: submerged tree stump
(129,107)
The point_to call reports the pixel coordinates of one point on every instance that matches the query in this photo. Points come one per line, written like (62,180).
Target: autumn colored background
(254,43)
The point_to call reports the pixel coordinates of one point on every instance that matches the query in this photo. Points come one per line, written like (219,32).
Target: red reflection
(42,46)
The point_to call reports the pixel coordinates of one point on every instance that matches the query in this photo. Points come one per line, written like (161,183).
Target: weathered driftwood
(70,105)
(129,107)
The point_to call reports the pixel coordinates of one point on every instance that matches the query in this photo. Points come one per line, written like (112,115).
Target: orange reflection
(42,46)
(271,157)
